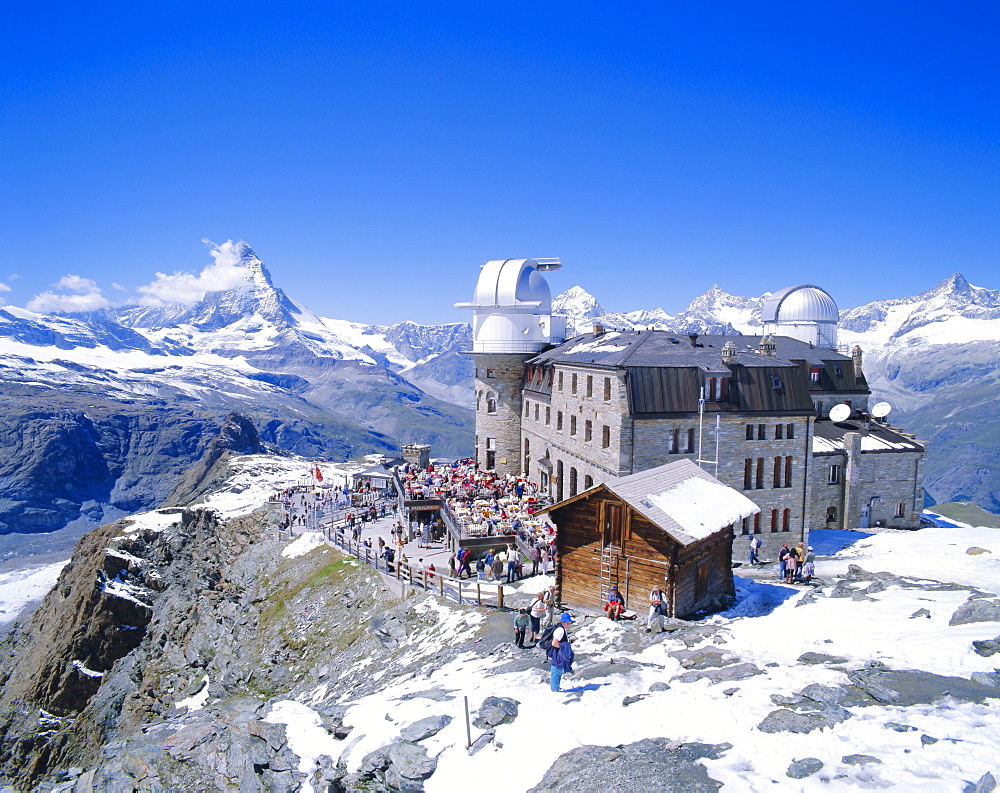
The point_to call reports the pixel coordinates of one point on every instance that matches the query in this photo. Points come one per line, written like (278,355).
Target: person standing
(754,550)
(513,555)
(535,556)
(535,613)
(561,653)
(783,560)
(809,567)
(520,626)
(549,598)
(657,609)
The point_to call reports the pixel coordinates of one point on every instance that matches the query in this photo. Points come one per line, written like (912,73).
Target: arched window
(588,482)
(491,406)
(831,514)
(572,482)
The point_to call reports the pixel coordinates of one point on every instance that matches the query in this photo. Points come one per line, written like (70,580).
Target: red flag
(319,474)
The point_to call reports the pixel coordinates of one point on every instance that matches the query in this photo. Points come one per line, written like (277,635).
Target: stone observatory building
(569,414)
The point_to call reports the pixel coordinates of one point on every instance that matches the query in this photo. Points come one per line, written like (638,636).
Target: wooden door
(614,524)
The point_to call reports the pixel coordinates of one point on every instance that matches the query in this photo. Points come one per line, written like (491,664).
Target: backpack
(545,642)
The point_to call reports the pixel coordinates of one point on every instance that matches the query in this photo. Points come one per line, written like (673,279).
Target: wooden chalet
(671,525)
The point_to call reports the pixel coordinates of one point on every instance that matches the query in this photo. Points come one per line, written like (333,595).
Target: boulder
(411,761)
(659,685)
(826,694)
(703,658)
(986,784)
(784,720)
(725,674)
(375,761)
(820,658)
(807,766)
(920,613)
(976,551)
(859,759)
(424,728)
(987,647)
(976,610)
(650,764)
(495,711)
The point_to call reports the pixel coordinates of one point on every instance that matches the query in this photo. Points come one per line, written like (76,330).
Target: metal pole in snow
(701,420)
(468,727)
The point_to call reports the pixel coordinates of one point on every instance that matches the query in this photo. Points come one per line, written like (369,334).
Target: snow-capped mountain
(129,395)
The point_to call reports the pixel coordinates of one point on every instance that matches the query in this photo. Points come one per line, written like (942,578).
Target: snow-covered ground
(766,628)
(20,588)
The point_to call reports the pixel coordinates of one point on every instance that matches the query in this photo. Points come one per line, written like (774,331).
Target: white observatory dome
(805,312)
(513,307)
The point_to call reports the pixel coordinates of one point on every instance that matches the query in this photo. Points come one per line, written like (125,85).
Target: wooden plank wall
(716,553)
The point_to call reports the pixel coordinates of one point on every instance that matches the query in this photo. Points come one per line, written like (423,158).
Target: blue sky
(375,154)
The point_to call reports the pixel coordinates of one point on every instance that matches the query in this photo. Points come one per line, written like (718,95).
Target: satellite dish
(840,413)
(881,409)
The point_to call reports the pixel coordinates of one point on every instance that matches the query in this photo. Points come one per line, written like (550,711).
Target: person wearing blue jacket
(561,653)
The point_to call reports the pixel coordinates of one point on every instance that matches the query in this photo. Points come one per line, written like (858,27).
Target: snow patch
(303,545)
(702,507)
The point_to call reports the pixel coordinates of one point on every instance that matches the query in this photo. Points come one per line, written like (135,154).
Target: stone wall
(895,477)
(498,409)
(654,445)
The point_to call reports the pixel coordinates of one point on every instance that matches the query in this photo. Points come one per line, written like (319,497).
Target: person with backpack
(481,569)
(754,548)
(463,558)
(560,652)
(536,610)
(657,609)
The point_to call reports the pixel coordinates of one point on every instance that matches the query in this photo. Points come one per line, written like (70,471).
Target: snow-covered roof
(686,502)
(828,437)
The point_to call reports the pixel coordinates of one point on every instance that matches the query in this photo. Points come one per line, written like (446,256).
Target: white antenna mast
(718,432)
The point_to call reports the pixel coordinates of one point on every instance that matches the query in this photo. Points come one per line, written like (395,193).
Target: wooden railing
(480,593)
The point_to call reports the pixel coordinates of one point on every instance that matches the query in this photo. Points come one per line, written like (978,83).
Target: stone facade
(887,483)
(498,410)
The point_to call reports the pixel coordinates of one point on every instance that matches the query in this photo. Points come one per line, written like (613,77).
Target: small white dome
(804,303)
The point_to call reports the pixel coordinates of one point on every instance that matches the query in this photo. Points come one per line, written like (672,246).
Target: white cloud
(118,286)
(78,284)
(226,272)
(4,287)
(86,297)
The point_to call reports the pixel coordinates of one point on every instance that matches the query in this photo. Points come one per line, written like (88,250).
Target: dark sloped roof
(618,349)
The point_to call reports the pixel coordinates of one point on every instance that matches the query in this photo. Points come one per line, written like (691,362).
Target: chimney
(694,339)
(729,352)
(598,329)
(856,355)
(766,346)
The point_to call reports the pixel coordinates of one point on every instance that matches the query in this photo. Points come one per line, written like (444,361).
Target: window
(756,523)
(690,449)
(774,521)
(838,370)
(491,453)
(527,455)
(786,515)
(760,473)
(715,389)
(900,509)
(572,425)
(605,436)
(776,383)
(762,432)
(607,389)
(588,482)
(491,406)
(559,480)
(560,380)
(491,373)
(749,428)
(779,432)
(588,430)
(674,439)
(788,472)
(789,431)
(572,386)
(548,415)
(536,411)
(831,514)
(745,528)
(527,409)
(834,477)
(814,375)
(590,386)
(776,479)
(572,482)
(558,421)
(748,473)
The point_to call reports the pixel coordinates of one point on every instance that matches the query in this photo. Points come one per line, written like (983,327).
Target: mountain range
(104,411)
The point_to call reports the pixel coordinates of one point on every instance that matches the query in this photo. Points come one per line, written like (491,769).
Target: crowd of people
(483,503)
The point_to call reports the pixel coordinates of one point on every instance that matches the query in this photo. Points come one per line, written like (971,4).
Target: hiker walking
(549,599)
(560,654)
(521,622)
(536,610)
(754,549)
